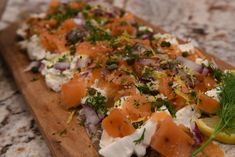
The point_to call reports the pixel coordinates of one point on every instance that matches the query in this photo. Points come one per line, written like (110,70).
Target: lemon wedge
(207,125)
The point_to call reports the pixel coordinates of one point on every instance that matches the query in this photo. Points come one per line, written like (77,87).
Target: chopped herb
(35,69)
(148,53)
(62,59)
(145,89)
(130,57)
(72,49)
(97,101)
(139,140)
(112,63)
(217,73)
(138,124)
(165,44)
(98,65)
(33,79)
(185,54)
(160,102)
(171,64)
(96,33)
(66,13)
(148,72)
(195,97)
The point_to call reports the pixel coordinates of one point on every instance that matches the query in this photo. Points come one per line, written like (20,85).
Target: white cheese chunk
(34,49)
(145,28)
(38,16)
(22,30)
(188,47)
(213,93)
(202,61)
(187,116)
(125,147)
(55,78)
(55,82)
(168,37)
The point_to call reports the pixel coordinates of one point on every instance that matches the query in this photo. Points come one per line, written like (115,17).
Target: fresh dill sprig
(138,141)
(226,112)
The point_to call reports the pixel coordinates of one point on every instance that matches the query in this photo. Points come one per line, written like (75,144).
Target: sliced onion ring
(190,64)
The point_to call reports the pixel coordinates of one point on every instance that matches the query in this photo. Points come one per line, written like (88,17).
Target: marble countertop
(208,23)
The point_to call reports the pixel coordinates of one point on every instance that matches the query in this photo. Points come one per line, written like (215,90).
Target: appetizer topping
(137,87)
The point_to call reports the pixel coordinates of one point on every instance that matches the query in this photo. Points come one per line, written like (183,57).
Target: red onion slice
(190,64)
(92,119)
(197,134)
(62,66)
(205,71)
(32,65)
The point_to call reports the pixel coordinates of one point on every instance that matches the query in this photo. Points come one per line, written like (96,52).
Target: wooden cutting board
(64,140)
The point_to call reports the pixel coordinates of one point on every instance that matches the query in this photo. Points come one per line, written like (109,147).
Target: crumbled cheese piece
(22,30)
(34,49)
(188,47)
(187,116)
(145,28)
(55,82)
(202,61)
(168,37)
(161,96)
(213,93)
(125,147)
(38,16)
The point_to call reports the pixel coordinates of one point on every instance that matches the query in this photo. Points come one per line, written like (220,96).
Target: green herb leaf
(139,140)
(35,69)
(62,59)
(97,101)
(160,102)
(165,44)
(64,14)
(96,33)
(145,89)
(217,73)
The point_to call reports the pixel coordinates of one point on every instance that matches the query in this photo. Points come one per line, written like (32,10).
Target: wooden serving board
(45,105)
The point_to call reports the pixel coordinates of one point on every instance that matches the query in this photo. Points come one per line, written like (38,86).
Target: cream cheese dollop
(125,147)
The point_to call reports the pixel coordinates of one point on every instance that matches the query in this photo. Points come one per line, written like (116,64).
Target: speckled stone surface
(210,24)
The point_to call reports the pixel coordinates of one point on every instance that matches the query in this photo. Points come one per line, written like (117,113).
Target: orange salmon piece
(164,87)
(117,125)
(73,91)
(213,150)
(170,140)
(207,104)
(136,106)
(92,50)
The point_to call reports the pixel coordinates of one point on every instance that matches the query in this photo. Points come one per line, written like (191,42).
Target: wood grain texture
(45,104)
